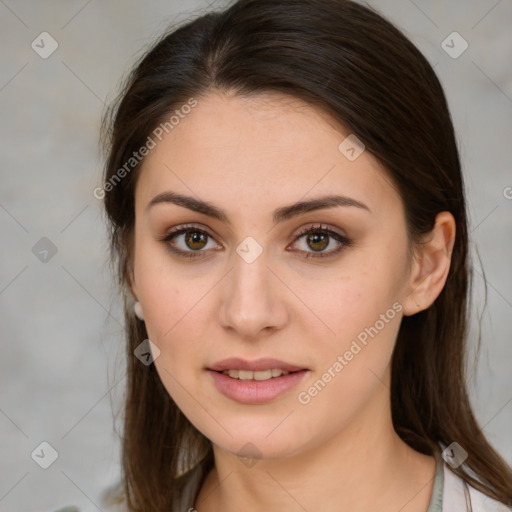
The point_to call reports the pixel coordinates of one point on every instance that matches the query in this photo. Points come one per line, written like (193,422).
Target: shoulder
(457,494)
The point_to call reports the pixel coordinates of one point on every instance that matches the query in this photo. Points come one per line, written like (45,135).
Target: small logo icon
(147,352)
(44,455)
(44,250)
(44,45)
(249,454)
(351,147)
(454,45)
(454,455)
(249,250)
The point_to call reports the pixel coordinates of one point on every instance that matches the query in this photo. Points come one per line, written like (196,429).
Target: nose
(254,300)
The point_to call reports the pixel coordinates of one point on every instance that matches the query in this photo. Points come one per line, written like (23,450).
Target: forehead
(256,151)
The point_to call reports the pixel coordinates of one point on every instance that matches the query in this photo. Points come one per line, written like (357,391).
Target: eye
(190,241)
(318,238)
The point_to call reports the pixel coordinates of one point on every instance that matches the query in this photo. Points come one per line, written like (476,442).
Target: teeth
(261,375)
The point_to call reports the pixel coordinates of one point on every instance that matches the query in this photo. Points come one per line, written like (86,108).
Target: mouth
(255,382)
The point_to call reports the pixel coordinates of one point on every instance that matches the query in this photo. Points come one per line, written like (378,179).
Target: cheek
(363,313)
(364,322)
(353,302)
(167,296)
(353,370)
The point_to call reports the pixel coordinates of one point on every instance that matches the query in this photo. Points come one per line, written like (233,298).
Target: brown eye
(318,238)
(317,241)
(195,239)
(189,241)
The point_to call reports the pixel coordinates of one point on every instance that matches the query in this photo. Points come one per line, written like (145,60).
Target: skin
(249,156)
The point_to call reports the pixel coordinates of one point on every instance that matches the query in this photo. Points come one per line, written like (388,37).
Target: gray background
(61,364)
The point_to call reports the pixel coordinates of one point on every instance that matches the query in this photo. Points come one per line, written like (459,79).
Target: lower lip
(255,391)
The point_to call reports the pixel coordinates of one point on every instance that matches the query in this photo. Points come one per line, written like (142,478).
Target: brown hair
(355,65)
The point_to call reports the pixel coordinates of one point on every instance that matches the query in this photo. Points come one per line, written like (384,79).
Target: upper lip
(235,363)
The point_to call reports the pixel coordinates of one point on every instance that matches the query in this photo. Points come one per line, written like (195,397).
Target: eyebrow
(279,215)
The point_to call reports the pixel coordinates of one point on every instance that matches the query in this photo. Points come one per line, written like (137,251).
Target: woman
(287,215)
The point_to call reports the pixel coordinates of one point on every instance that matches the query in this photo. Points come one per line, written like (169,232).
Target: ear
(429,271)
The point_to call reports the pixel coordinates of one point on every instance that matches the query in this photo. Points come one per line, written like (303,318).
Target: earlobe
(431,265)
(137,308)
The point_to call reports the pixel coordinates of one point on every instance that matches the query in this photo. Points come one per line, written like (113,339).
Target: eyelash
(342,240)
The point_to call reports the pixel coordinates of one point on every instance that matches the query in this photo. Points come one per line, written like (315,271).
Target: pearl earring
(137,308)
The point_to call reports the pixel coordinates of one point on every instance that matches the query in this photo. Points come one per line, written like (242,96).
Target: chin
(260,445)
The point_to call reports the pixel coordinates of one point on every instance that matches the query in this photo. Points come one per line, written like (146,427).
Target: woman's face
(240,284)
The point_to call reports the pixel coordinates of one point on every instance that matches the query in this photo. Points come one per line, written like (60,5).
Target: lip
(267,363)
(255,392)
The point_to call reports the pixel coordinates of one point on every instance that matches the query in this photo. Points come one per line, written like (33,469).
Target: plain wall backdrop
(62,351)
